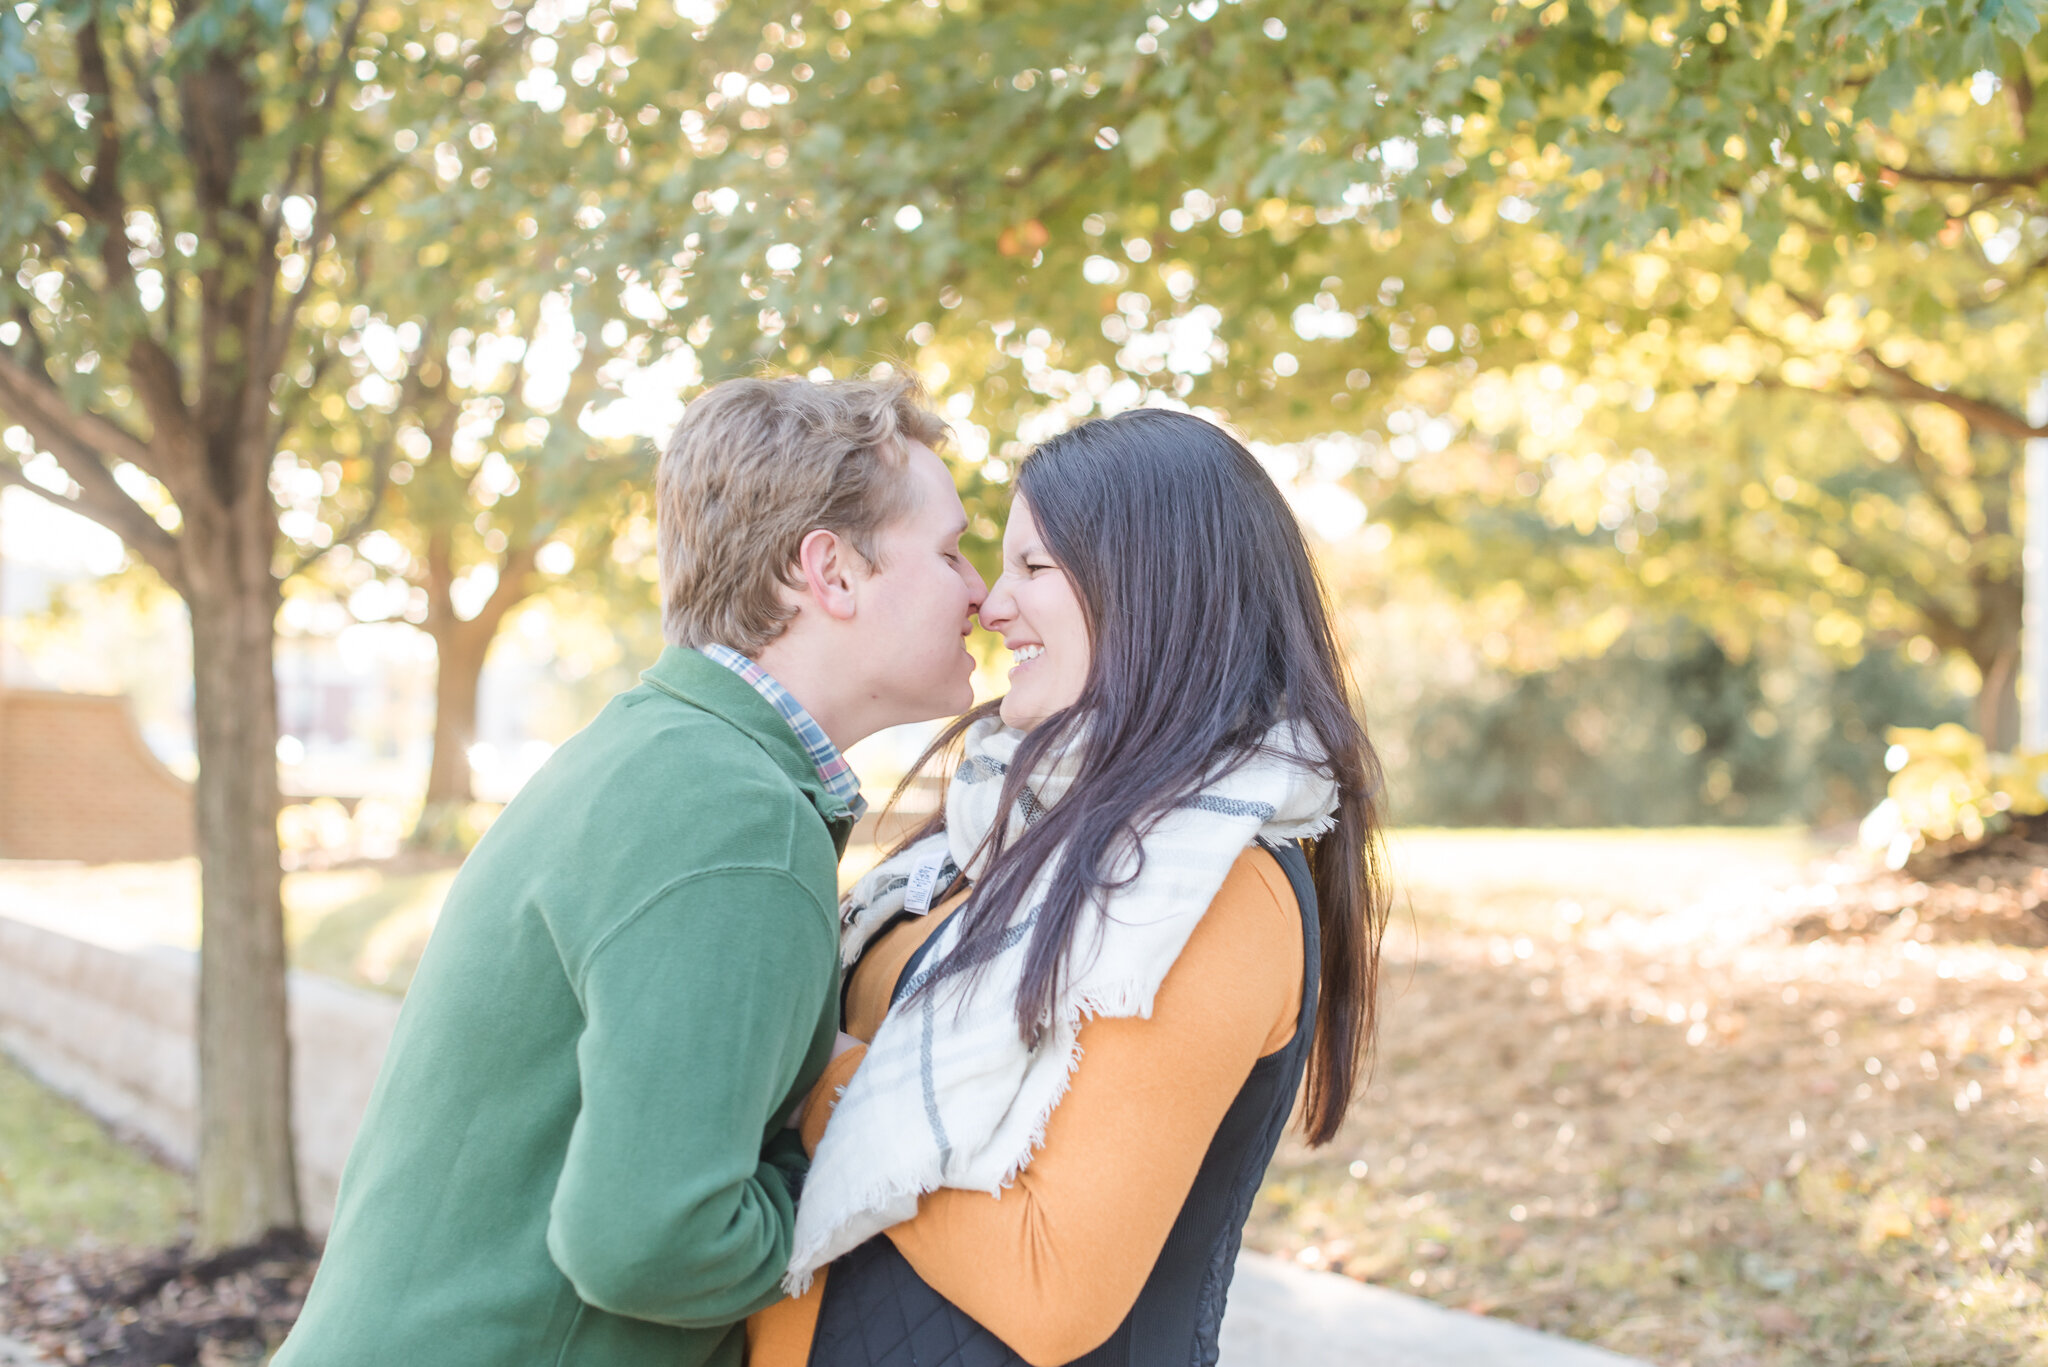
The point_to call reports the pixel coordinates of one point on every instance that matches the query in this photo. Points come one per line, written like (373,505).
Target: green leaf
(318,18)
(15,59)
(1643,94)
(2018,20)
(1146,138)
(1193,123)
(1889,91)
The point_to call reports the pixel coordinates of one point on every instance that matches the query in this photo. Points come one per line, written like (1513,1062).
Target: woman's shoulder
(1257,894)
(1258,877)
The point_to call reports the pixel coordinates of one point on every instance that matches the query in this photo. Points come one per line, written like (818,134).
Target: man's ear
(829,568)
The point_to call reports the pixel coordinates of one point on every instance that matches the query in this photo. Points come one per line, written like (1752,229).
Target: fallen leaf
(1781,1321)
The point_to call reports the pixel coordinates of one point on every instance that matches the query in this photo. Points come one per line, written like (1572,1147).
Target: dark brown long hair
(1208,626)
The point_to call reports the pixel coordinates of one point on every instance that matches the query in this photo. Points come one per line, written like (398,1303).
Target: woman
(1110,1010)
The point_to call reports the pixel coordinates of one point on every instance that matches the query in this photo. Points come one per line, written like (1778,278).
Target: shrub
(1946,787)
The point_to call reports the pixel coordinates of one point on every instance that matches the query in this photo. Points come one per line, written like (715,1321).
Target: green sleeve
(698,1015)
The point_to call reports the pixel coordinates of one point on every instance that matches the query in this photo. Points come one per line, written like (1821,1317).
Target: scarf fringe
(1305,830)
(881,1195)
(872,1167)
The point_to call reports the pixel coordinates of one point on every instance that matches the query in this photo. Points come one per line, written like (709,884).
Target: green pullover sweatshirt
(574,1153)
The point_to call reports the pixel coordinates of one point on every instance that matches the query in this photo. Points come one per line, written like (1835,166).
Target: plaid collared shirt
(840,780)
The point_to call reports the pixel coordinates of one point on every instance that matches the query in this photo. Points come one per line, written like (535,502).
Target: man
(575,1153)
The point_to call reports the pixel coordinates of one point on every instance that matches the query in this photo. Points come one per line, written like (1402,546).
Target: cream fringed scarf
(948,1095)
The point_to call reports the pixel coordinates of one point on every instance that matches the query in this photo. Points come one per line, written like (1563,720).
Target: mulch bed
(151,1307)
(1996,890)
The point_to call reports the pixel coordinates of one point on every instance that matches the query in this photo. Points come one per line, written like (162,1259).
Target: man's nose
(994,607)
(977,587)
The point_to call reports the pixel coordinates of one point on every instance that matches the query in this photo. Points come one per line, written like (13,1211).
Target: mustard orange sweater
(1054,1265)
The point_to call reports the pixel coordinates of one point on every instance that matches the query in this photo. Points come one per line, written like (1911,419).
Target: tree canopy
(1716,309)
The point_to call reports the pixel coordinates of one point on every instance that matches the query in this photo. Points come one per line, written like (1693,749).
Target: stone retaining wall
(114,1030)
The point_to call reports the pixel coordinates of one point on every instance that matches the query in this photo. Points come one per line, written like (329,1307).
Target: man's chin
(959,700)
(940,704)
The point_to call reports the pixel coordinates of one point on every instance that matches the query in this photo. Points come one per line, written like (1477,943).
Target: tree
(500,494)
(191,194)
(1314,218)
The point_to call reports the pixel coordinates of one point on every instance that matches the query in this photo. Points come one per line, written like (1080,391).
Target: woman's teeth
(1026,654)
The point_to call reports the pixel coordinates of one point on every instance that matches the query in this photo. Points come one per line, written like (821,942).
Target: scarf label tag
(924,881)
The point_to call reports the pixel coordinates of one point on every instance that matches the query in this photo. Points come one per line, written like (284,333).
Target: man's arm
(698,1015)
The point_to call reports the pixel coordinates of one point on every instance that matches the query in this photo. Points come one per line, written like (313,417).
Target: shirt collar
(833,770)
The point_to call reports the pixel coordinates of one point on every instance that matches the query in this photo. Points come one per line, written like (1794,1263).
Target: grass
(363,924)
(66,1183)
(1614,1101)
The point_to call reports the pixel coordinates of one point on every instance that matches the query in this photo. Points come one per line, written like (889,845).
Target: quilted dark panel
(879,1313)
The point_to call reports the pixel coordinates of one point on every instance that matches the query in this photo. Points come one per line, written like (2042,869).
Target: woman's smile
(1036,595)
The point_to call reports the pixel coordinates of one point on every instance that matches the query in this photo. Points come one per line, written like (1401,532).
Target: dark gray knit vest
(879,1313)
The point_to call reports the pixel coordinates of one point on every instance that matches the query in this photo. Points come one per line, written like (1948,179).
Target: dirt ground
(1654,1110)
(1996,891)
(156,1307)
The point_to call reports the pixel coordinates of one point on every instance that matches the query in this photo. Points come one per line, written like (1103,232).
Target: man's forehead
(929,475)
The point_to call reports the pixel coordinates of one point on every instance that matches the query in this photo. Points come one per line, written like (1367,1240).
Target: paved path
(1285,1316)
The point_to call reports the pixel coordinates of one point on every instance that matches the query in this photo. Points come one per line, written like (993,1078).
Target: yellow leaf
(1883,1224)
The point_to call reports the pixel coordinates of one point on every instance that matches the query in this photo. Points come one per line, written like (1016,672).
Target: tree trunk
(460,651)
(1997,709)
(247,1181)
(460,648)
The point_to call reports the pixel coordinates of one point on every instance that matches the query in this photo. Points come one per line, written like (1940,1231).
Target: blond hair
(755,466)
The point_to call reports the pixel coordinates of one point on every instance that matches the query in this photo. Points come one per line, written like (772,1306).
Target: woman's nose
(998,608)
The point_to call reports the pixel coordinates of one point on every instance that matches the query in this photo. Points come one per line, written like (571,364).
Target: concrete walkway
(1285,1316)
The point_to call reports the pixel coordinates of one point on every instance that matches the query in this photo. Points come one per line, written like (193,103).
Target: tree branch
(1985,413)
(36,405)
(31,343)
(289,408)
(513,572)
(73,197)
(144,87)
(414,392)
(34,140)
(481,63)
(313,151)
(1922,466)
(103,196)
(102,500)
(370,185)
(1988,414)
(380,482)
(2030,179)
